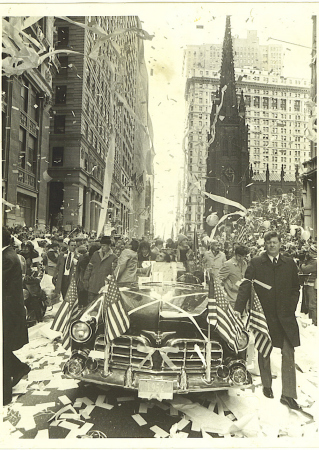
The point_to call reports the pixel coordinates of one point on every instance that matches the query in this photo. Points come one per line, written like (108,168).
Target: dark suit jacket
(15,331)
(59,270)
(280,302)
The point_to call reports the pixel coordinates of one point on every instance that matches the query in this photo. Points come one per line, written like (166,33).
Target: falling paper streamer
(225,201)
(240,213)
(109,168)
(46,176)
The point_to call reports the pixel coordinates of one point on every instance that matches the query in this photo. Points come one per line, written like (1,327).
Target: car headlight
(80,331)
(243,342)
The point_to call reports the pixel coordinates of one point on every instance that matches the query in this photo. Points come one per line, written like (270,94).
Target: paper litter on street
(143,408)
(159,432)
(64,399)
(125,399)
(139,419)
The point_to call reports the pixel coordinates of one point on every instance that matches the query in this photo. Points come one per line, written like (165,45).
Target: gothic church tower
(228,156)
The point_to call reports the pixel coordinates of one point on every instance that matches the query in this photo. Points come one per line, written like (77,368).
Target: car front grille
(188,358)
(123,350)
(130,351)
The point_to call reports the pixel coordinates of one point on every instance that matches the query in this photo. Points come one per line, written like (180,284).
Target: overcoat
(97,270)
(59,270)
(279,303)
(15,331)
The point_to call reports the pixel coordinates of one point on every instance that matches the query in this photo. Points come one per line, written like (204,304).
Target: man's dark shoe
(268,392)
(17,377)
(290,402)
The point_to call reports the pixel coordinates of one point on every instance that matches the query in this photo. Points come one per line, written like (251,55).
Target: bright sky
(174,27)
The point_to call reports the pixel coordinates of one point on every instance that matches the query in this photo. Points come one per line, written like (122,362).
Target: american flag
(66,314)
(221,315)
(115,314)
(242,235)
(259,327)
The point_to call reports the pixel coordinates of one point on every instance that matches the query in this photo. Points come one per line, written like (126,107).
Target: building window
(59,124)
(22,147)
(31,163)
(297,105)
(256,102)
(34,107)
(24,96)
(64,61)
(60,94)
(57,156)
(265,102)
(63,36)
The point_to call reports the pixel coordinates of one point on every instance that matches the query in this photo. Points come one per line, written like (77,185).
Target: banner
(109,169)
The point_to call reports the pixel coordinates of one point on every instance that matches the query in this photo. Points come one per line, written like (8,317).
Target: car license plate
(158,389)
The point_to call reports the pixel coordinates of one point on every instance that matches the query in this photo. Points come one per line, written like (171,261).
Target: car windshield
(173,297)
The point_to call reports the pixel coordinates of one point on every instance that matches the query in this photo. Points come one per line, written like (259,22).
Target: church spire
(227,76)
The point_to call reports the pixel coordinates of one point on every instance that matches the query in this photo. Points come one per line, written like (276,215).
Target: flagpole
(209,344)
(107,343)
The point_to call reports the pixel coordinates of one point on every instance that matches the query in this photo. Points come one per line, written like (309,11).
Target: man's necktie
(68,262)
(274,261)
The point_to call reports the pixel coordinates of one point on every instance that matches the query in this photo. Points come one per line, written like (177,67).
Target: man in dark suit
(64,269)
(14,324)
(279,304)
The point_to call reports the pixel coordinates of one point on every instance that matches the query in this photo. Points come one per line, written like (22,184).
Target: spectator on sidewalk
(64,269)
(213,259)
(14,325)
(102,264)
(126,269)
(310,283)
(50,258)
(29,253)
(232,272)
(156,249)
(143,252)
(82,264)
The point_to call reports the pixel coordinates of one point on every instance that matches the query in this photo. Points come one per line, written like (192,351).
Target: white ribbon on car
(162,351)
(199,353)
(264,285)
(172,305)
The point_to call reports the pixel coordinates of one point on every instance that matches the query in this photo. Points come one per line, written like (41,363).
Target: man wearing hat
(102,264)
(310,284)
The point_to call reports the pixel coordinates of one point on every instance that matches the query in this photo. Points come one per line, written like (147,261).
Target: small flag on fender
(115,314)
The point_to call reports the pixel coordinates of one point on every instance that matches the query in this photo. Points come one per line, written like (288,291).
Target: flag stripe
(259,327)
(66,314)
(116,317)
(221,315)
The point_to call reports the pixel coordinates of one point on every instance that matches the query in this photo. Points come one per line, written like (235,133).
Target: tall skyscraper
(103,92)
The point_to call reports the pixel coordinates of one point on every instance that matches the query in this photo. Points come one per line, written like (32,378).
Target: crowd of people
(90,259)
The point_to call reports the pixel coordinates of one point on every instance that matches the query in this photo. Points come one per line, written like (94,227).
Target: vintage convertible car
(167,349)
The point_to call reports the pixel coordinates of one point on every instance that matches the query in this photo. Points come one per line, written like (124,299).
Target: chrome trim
(77,340)
(123,350)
